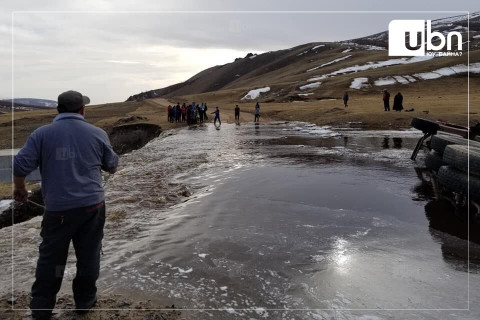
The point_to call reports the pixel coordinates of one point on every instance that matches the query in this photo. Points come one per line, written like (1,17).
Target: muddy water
(280,221)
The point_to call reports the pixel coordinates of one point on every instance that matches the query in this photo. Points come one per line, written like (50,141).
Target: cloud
(113,55)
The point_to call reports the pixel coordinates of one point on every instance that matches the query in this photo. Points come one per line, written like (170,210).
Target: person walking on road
(71,154)
(257,113)
(345,99)
(217,117)
(237,113)
(386,100)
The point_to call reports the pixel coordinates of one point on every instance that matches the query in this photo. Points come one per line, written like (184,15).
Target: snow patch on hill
(319,46)
(385,81)
(359,83)
(435,74)
(448,71)
(329,63)
(255,93)
(310,86)
(363,46)
(373,65)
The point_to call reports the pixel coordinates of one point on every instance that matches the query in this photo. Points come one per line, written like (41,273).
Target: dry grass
(6,189)
(444,99)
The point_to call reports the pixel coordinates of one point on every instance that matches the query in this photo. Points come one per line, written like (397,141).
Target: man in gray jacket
(71,154)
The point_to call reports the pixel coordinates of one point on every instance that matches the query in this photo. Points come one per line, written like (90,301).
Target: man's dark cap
(72,101)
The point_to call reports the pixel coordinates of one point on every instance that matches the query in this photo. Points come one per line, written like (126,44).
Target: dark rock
(129,137)
(23,211)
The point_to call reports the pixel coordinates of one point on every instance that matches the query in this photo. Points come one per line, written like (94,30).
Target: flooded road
(280,221)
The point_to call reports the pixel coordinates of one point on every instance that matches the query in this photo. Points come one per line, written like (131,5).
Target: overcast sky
(108,52)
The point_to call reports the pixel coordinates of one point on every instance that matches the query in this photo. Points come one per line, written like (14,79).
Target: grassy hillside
(334,65)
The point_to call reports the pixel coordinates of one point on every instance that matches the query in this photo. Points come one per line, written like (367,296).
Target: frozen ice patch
(5,204)
(261,312)
(317,258)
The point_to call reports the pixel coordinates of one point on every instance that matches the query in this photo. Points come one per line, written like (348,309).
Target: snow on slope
(373,65)
(385,81)
(329,63)
(359,83)
(255,93)
(310,86)
(448,71)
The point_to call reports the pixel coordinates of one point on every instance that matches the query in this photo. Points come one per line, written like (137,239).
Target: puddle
(256,219)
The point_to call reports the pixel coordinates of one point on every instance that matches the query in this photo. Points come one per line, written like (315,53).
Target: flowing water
(280,221)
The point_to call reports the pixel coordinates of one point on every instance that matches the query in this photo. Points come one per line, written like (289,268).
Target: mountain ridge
(282,70)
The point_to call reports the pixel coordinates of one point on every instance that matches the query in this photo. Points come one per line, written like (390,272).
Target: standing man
(345,99)
(257,113)
(71,154)
(169,113)
(201,112)
(386,100)
(217,117)
(237,113)
(184,112)
(205,111)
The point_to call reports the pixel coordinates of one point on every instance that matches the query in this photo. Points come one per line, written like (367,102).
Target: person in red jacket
(386,100)
(184,112)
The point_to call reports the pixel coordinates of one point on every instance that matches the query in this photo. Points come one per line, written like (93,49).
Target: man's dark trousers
(84,227)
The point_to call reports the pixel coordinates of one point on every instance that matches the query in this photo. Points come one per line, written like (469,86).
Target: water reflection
(443,224)
(340,255)
(447,226)
(385,143)
(397,143)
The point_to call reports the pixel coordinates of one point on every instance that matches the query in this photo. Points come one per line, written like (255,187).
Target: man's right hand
(20,194)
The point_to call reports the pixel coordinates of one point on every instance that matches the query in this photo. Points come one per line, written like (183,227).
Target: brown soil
(121,308)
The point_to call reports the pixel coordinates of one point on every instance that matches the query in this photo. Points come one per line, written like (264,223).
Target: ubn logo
(408,38)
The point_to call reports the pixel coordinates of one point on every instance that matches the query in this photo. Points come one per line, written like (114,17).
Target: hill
(322,70)
(25,104)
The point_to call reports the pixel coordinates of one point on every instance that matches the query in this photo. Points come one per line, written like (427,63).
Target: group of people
(197,113)
(397,101)
(256,113)
(192,114)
